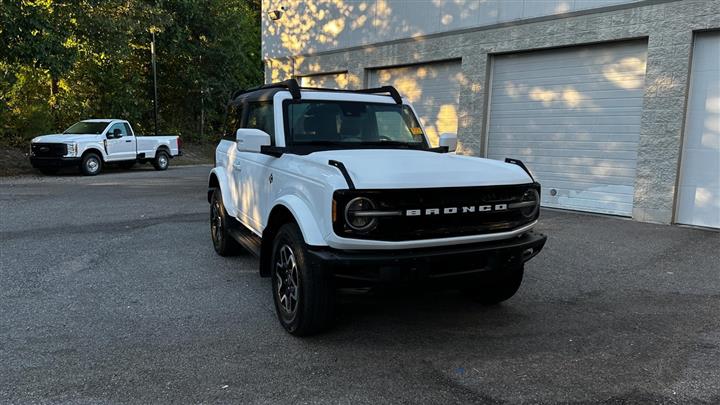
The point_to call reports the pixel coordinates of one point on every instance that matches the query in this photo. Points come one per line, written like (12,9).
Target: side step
(245,237)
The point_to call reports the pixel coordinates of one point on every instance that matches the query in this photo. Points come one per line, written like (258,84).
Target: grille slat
(49,149)
(404,227)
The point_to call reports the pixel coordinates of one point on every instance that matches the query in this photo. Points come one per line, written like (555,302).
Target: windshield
(90,128)
(348,123)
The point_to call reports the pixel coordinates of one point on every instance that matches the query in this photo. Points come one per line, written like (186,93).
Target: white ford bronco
(335,188)
(91,143)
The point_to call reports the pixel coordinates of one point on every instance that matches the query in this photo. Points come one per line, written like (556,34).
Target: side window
(128,130)
(119,126)
(232,121)
(261,116)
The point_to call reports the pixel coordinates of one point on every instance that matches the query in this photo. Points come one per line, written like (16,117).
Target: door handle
(128,140)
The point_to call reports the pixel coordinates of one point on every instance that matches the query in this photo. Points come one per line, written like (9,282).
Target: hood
(401,168)
(61,138)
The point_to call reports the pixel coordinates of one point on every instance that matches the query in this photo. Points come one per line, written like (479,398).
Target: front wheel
(496,287)
(161,161)
(91,164)
(304,296)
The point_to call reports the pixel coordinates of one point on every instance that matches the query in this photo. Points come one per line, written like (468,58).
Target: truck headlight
(353,214)
(72,149)
(531,200)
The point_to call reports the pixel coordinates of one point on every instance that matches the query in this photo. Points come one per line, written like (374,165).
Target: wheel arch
(218,179)
(289,209)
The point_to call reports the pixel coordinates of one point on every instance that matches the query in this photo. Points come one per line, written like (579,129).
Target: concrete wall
(310,26)
(667,26)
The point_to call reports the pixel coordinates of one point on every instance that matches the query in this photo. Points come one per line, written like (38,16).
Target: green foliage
(70,60)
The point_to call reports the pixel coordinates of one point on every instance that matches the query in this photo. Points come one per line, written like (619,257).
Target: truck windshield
(89,128)
(349,123)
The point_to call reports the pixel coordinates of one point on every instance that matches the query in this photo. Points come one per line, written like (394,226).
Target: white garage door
(327,81)
(699,191)
(432,88)
(573,116)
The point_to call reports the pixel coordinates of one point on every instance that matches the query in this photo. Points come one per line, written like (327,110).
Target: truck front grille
(449,209)
(49,149)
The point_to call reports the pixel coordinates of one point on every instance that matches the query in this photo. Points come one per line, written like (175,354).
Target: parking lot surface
(110,292)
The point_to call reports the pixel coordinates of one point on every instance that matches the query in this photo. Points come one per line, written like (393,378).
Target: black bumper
(38,162)
(456,262)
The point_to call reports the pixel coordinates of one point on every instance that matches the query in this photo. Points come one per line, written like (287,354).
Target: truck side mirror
(449,140)
(251,139)
(117,133)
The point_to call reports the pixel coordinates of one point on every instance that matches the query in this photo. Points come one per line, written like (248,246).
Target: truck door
(123,146)
(254,177)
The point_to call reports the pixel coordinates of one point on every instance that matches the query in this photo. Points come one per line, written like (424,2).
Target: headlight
(353,214)
(531,203)
(72,149)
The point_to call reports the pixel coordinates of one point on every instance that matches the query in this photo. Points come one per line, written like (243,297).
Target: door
(698,200)
(251,170)
(432,88)
(327,81)
(573,116)
(122,148)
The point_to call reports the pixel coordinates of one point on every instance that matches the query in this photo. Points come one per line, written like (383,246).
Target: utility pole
(202,115)
(155,100)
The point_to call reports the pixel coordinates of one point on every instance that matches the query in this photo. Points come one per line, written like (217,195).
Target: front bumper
(38,162)
(456,263)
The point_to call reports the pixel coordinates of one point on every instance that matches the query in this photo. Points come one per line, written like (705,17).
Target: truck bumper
(38,162)
(449,263)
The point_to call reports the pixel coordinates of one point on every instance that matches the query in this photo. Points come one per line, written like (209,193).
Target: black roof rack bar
(290,84)
(294,88)
(376,90)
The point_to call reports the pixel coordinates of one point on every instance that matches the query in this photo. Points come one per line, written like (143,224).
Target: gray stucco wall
(667,26)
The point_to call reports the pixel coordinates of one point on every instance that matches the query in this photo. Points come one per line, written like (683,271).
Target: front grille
(49,149)
(407,227)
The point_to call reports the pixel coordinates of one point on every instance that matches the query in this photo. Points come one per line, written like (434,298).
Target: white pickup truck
(90,144)
(336,188)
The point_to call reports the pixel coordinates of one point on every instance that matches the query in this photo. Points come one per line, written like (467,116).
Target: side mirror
(251,139)
(449,140)
(117,133)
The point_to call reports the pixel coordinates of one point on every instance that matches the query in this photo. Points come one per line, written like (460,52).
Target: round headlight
(531,210)
(353,214)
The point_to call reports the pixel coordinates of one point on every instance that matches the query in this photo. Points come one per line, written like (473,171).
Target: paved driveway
(110,292)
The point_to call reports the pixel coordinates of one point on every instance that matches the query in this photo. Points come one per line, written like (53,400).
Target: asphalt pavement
(110,292)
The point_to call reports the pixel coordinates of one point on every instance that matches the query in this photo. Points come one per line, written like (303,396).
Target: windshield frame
(104,128)
(313,146)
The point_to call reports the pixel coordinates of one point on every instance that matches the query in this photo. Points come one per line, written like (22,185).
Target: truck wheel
(497,287)
(304,296)
(91,164)
(161,161)
(223,243)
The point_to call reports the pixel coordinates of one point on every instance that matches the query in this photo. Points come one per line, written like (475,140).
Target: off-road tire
(161,161)
(91,164)
(315,299)
(496,287)
(223,242)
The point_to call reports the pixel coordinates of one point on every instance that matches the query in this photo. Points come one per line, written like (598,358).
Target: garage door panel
(524,106)
(698,198)
(432,88)
(573,115)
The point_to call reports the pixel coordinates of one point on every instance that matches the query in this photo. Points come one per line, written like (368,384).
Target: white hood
(401,168)
(62,138)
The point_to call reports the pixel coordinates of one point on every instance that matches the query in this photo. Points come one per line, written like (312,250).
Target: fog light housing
(356,222)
